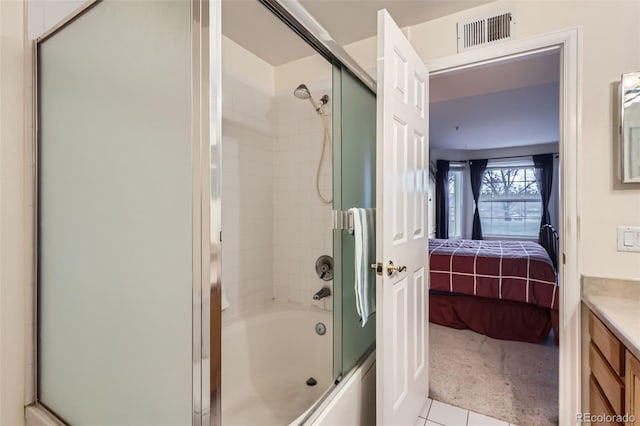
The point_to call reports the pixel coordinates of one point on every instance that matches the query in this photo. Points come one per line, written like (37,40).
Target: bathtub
(267,357)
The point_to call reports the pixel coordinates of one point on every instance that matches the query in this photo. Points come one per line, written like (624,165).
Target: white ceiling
(530,70)
(253,27)
(353,20)
(514,103)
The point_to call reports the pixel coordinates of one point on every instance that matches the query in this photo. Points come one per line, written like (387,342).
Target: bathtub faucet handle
(322,293)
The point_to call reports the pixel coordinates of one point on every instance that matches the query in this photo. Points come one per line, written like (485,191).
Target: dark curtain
(477,168)
(442,199)
(544,177)
(543,165)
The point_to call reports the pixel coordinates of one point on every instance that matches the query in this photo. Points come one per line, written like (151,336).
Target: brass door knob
(391,268)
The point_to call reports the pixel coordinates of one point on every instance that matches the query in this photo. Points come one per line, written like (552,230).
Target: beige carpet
(512,381)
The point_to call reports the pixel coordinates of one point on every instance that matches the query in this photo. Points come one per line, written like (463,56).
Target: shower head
(302,92)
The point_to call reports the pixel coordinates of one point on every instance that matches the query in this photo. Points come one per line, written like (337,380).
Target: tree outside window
(510,202)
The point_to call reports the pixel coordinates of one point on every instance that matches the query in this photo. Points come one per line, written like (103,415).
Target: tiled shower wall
(302,223)
(248,138)
(274,225)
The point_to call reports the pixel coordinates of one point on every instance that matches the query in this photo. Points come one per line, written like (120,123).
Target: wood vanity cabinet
(632,381)
(614,382)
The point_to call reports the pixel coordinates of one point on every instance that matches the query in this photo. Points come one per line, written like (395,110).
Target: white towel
(364,226)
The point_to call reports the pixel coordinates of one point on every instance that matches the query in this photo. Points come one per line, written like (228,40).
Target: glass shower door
(354,186)
(119,217)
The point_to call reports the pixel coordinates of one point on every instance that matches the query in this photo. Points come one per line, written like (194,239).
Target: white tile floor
(436,413)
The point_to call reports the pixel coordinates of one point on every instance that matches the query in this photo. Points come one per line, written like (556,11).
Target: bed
(503,289)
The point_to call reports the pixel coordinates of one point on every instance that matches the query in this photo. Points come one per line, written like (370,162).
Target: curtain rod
(555,154)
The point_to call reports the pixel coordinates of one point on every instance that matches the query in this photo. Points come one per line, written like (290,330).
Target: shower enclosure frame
(206,138)
(205,244)
(296,17)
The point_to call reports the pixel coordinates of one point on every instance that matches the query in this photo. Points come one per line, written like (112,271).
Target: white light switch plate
(629,238)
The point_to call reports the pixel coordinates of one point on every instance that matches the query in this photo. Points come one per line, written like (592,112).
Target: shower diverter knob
(324,268)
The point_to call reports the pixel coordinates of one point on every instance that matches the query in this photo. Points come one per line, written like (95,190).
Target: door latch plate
(378,267)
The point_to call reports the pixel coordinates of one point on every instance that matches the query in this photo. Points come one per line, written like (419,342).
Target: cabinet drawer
(598,404)
(609,382)
(607,343)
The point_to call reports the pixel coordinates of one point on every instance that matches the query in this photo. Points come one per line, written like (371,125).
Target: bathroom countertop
(621,315)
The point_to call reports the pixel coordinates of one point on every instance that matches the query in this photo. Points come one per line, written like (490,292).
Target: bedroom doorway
(496,203)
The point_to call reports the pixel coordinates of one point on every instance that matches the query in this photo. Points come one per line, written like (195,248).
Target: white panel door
(402,234)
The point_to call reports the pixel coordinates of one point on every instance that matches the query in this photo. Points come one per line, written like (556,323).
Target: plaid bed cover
(512,270)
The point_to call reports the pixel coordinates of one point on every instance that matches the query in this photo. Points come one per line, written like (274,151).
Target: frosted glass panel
(357,188)
(115,208)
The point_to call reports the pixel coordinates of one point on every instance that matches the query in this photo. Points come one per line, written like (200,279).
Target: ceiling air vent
(481,32)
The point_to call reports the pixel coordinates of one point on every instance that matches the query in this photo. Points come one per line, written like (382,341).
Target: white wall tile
(248,196)
(274,226)
(302,231)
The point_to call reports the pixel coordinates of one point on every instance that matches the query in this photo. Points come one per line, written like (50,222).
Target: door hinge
(564,259)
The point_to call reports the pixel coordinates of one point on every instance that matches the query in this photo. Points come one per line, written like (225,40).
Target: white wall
(471,154)
(609,46)
(15,246)
(45,14)
(312,69)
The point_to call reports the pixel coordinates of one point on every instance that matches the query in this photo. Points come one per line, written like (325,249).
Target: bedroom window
(510,203)
(455,202)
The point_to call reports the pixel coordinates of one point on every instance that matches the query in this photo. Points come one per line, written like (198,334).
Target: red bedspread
(509,270)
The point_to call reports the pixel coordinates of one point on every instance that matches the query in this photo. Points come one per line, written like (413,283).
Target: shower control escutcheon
(324,268)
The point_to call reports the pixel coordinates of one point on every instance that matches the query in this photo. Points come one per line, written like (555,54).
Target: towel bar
(342,220)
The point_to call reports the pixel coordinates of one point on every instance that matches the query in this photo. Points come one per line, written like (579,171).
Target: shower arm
(318,105)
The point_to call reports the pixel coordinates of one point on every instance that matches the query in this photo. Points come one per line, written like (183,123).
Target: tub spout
(322,293)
